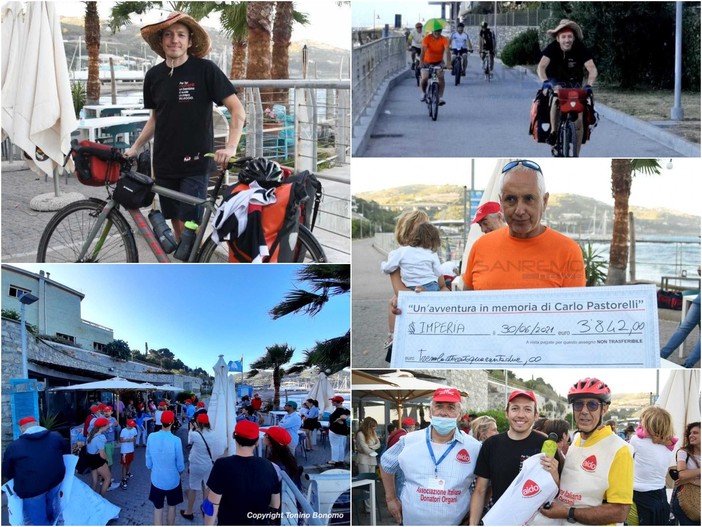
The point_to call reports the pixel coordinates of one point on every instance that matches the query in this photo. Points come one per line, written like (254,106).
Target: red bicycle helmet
(590,387)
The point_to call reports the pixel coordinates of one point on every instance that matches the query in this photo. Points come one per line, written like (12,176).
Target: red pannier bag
(297,201)
(96,164)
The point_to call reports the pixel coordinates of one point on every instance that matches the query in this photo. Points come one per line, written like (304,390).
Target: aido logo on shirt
(530,488)
(463,456)
(590,464)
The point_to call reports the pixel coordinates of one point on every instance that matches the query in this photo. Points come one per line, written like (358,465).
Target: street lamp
(25,299)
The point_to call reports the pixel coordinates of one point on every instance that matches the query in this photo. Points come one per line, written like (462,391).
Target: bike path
(485,119)
(22,227)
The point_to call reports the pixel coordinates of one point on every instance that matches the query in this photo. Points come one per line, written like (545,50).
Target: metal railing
(372,64)
(303,123)
(529,17)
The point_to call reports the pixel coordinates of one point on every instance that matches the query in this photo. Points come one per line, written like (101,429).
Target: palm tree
(275,358)
(92,42)
(325,281)
(623,172)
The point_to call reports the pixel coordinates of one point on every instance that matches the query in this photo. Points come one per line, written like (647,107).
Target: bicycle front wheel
(307,250)
(434,101)
(568,138)
(458,71)
(67,233)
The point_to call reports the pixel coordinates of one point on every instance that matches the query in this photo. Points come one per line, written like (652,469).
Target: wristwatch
(571,515)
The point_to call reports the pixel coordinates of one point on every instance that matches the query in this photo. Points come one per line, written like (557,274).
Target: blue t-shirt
(98,443)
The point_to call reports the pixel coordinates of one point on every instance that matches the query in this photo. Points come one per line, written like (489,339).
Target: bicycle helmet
(590,387)
(484,24)
(266,173)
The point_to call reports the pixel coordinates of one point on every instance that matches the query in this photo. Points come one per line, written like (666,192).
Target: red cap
(167,417)
(447,395)
(337,399)
(131,422)
(188,401)
(279,435)
(246,429)
(94,408)
(200,404)
(202,418)
(489,207)
(162,403)
(100,421)
(524,393)
(26,420)
(408,421)
(107,408)
(101,407)
(256,395)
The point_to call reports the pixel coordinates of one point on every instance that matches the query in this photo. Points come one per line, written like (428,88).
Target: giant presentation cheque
(570,327)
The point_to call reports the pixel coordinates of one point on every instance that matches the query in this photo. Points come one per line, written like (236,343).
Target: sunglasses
(523,162)
(591,405)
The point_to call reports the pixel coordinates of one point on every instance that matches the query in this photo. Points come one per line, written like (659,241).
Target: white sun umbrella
(491,193)
(322,391)
(222,410)
(116,385)
(169,388)
(37,104)
(681,397)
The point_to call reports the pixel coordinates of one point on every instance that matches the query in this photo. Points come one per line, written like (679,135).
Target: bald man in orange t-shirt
(435,52)
(525,254)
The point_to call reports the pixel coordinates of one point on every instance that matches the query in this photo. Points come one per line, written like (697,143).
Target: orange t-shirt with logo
(434,48)
(500,261)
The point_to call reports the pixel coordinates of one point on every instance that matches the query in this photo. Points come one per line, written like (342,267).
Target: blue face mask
(443,425)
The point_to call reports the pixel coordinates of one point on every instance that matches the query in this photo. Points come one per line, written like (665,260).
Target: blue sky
(198,311)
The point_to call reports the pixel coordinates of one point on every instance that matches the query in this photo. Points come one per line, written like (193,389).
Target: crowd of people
(457,468)
(35,460)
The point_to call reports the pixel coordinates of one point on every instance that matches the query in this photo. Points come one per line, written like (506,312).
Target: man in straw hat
(180,92)
(562,63)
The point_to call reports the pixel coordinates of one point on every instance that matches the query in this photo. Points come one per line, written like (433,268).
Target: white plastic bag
(533,487)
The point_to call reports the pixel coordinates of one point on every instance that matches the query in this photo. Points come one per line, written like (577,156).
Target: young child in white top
(417,262)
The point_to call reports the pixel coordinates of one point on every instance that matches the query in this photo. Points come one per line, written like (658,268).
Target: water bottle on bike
(187,239)
(163,232)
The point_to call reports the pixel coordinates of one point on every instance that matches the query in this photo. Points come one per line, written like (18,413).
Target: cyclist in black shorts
(414,41)
(461,45)
(486,43)
(180,92)
(563,63)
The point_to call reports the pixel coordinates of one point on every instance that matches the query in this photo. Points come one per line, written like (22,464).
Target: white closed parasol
(37,105)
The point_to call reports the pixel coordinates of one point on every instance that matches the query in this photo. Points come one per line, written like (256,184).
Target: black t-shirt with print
(183,105)
(566,66)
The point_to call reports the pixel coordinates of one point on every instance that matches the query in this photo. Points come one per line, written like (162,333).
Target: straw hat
(565,23)
(198,36)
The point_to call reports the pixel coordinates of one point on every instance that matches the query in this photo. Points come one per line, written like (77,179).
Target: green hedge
(523,49)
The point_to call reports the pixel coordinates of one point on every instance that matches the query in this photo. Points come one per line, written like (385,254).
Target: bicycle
(571,103)
(431,95)
(487,69)
(94,230)
(416,65)
(457,65)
